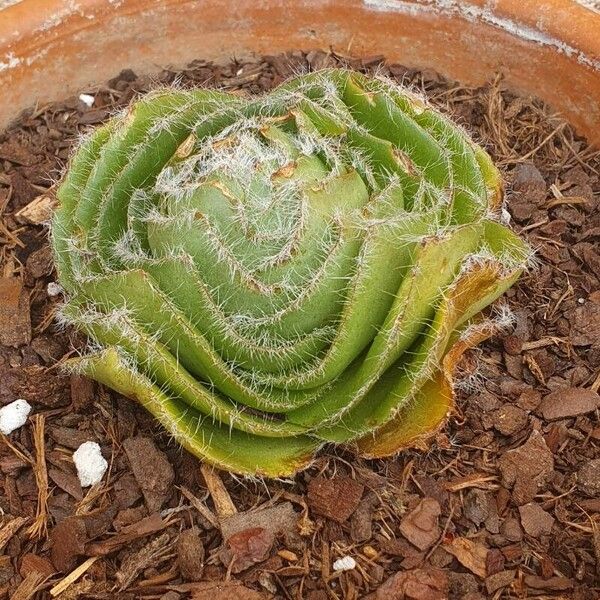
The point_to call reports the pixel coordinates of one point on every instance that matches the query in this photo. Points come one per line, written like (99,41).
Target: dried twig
(22,455)
(72,577)
(547,341)
(474,480)
(535,150)
(39,527)
(148,525)
(9,529)
(223,503)
(201,507)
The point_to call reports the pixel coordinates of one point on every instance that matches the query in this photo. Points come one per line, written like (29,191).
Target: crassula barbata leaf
(269,274)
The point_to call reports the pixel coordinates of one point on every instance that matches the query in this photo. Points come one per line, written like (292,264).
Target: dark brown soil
(504,504)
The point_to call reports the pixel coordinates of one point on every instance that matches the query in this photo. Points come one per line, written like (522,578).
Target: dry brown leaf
(247,548)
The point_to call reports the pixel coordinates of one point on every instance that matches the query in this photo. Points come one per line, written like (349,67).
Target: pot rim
(41,40)
(571,26)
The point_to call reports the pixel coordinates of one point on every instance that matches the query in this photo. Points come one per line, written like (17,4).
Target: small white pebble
(346,563)
(14,415)
(87,99)
(90,463)
(505,216)
(581,300)
(53,289)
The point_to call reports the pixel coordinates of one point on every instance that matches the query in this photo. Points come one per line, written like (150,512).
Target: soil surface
(505,503)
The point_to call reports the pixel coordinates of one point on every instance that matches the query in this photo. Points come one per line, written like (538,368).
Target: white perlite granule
(53,289)
(14,415)
(87,99)
(90,463)
(346,563)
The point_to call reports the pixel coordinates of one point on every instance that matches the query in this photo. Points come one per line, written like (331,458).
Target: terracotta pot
(549,48)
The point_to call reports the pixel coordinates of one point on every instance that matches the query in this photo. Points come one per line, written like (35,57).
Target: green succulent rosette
(269,274)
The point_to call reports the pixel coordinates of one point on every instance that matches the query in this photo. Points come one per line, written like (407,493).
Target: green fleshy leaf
(217,444)
(269,273)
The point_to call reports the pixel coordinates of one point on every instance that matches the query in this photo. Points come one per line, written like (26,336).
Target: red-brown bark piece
(82,391)
(68,541)
(585,324)
(509,419)
(152,471)
(15,322)
(554,584)
(499,580)
(225,590)
(151,524)
(35,384)
(535,520)
(588,478)
(31,563)
(190,555)
(278,519)
(420,526)
(527,468)
(568,402)
(416,584)
(335,498)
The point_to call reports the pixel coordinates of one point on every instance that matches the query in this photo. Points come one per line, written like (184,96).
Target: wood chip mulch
(505,503)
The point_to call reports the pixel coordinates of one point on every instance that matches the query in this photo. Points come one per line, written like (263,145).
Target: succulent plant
(269,274)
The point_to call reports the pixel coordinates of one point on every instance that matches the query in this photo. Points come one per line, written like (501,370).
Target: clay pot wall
(549,48)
